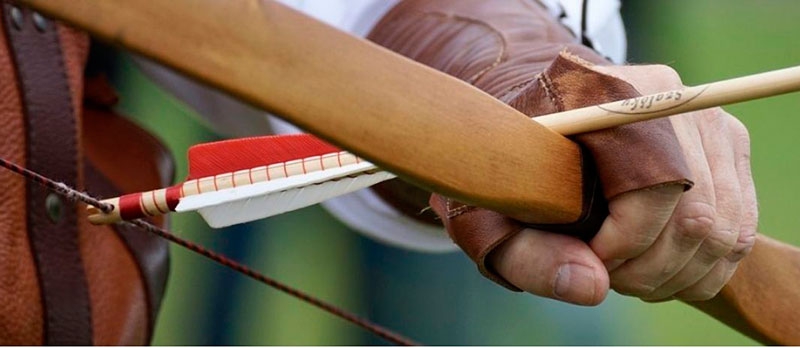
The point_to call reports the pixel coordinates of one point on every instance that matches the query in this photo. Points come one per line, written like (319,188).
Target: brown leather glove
(516,52)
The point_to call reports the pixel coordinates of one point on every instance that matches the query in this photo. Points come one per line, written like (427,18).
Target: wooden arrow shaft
(673,102)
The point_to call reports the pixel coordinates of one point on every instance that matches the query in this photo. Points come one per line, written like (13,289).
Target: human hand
(658,243)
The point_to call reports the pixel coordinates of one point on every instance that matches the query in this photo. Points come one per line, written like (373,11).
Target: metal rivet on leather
(40,22)
(16,17)
(54,207)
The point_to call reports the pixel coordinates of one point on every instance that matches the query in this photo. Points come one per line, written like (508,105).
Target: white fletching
(261,200)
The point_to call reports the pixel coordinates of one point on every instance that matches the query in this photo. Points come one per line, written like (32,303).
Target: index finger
(635,221)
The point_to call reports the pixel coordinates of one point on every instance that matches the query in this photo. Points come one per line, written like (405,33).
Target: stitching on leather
(501,55)
(551,91)
(519,86)
(507,96)
(453,212)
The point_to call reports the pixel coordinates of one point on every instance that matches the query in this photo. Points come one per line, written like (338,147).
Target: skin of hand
(660,243)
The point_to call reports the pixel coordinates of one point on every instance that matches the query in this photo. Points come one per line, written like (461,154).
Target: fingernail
(575,283)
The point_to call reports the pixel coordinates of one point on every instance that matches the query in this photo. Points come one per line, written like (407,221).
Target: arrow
(238,181)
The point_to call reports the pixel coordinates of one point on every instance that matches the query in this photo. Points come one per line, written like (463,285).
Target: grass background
(712,40)
(440,299)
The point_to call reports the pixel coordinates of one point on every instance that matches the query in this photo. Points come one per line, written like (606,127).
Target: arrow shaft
(673,102)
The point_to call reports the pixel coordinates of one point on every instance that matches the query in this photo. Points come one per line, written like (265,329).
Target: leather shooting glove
(516,52)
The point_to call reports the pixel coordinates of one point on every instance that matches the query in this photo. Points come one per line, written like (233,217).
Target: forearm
(493,45)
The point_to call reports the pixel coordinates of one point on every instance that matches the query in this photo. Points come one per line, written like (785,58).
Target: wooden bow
(379,105)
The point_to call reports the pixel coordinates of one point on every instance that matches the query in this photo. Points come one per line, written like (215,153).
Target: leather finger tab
(477,231)
(630,157)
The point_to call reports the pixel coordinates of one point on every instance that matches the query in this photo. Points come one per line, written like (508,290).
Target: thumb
(552,265)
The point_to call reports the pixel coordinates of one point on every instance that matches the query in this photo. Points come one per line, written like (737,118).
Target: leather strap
(52,150)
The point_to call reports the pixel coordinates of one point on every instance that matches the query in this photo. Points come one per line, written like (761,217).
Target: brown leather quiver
(62,280)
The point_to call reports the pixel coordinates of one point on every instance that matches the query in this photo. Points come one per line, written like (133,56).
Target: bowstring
(76,196)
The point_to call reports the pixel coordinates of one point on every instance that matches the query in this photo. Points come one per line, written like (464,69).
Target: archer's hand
(658,243)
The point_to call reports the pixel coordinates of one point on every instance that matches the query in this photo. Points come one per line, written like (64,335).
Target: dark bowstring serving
(77,196)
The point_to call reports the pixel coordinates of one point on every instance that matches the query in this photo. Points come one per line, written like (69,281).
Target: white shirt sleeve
(601,23)
(363,210)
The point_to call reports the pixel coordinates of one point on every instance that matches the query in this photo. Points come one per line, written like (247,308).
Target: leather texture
(515,51)
(141,165)
(124,271)
(52,150)
(21,309)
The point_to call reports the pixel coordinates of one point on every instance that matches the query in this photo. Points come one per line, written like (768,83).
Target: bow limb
(377,104)
(389,103)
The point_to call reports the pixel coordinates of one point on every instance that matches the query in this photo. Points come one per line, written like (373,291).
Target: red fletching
(227,156)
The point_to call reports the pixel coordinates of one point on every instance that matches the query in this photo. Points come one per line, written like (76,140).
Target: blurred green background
(441,299)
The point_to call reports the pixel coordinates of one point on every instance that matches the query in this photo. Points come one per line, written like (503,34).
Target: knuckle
(738,128)
(695,223)
(634,245)
(632,242)
(725,124)
(716,119)
(639,242)
(744,244)
(668,269)
(720,243)
(710,285)
(740,133)
(668,75)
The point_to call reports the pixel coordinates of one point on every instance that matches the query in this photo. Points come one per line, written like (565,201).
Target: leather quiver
(516,52)
(64,281)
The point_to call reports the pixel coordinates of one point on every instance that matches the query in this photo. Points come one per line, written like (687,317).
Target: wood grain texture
(674,102)
(409,119)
